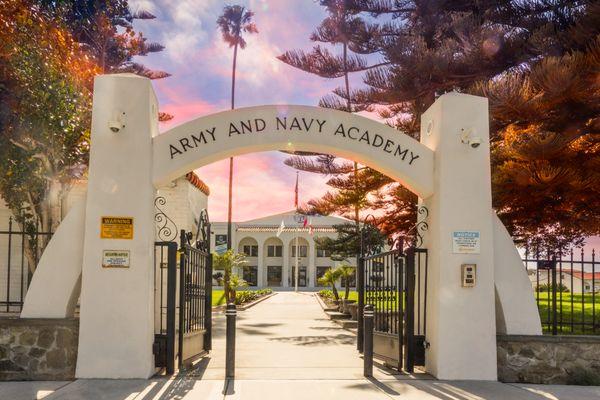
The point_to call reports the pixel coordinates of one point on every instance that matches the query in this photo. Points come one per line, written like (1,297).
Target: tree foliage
(537,62)
(49,55)
(45,119)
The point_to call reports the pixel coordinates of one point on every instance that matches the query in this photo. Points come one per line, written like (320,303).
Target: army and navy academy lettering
(292,124)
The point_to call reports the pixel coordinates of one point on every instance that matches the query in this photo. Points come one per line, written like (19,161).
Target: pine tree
(351,183)
(546,118)
(434,46)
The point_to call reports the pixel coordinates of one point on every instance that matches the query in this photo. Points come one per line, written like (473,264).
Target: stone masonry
(38,349)
(548,359)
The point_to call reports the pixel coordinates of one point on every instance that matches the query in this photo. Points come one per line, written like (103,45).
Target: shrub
(326,294)
(545,287)
(247,296)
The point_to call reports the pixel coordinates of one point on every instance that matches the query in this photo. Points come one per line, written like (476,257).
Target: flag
(296,193)
(281,227)
(305,222)
(310,227)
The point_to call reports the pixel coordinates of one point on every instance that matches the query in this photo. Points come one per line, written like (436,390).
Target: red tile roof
(586,275)
(197,182)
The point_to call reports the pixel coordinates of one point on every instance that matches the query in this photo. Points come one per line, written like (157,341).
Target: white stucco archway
(452,179)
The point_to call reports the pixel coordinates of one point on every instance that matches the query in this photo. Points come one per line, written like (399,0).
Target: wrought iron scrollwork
(421,226)
(165,226)
(203,232)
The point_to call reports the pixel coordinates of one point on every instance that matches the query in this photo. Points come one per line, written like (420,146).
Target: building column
(311,272)
(260,267)
(287,246)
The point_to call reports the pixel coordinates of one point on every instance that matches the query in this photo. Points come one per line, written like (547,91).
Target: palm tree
(346,273)
(234,21)
(228,262)
(329,278)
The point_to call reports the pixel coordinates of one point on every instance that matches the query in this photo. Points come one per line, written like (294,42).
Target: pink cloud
(263,185)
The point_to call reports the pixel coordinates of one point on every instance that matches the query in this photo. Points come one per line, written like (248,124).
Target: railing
(15,265)
(566,287)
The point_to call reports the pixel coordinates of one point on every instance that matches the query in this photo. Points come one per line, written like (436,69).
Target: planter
(344,306)
(353,309)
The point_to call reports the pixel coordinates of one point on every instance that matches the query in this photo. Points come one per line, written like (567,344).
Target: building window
(274,251)
(251,251)
(251,275)
(303,251)
(274,273)
(323,253)
(320,272)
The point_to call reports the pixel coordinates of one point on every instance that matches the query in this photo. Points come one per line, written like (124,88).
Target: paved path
(287,349)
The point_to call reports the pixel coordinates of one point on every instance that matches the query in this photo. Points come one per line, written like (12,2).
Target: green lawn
(588,303)
(585,308)
(218,297)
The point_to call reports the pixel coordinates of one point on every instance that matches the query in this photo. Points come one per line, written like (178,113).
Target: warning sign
(116,228)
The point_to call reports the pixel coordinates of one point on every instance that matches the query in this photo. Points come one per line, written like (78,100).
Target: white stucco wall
(453,179)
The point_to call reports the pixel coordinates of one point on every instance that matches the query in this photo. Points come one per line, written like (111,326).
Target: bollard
(368,340)
(360,288)
(230,315)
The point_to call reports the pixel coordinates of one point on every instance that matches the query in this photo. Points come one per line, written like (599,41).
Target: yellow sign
(116,228)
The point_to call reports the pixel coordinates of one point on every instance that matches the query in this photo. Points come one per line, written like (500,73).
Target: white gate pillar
(461,324)
(117,304)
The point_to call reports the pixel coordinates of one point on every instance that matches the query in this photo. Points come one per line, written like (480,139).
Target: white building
(575,281)
(271,258)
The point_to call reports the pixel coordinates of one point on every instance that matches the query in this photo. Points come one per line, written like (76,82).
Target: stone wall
(549,359)
(38,349)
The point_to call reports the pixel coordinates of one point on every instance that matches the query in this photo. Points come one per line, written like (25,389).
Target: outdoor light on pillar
(467,136)
(117,123)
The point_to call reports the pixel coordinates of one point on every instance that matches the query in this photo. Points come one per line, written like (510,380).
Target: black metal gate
(183,298)
(395,284)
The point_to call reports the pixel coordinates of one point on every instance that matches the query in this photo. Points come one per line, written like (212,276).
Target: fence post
(368,341)
(360,287)
(171,305)
(208,296)
(182,300)
(231,315)
(554,311)
(409,313)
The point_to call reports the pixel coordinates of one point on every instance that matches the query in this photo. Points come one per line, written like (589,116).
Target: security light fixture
(116,124)
(467,137)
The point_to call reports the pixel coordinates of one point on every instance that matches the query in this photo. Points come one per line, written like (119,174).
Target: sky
(200,64)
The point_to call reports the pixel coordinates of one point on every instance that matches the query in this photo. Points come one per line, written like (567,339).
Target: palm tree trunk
(230,197)
(347,286)
(334,290)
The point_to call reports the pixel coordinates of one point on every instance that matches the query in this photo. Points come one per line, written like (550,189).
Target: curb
(323,305)
(340,323)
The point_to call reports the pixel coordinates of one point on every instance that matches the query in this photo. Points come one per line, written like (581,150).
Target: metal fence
(566,287)
(15,268)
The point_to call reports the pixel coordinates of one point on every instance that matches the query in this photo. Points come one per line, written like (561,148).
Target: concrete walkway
(287,349)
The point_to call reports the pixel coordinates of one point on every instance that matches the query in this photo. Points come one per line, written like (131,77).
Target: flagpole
(297,219)
(296,272)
